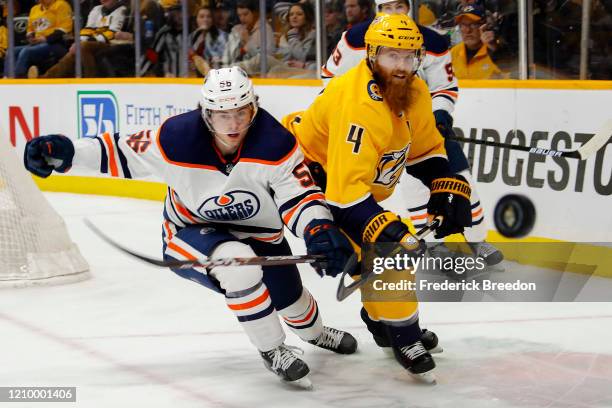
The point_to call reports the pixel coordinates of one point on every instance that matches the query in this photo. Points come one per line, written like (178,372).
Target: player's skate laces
(490,254)
(414,350)
(283,362)
(415,358)
(335,340)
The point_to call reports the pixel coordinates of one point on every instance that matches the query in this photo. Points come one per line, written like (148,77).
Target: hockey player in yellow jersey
(48,23)
(359,135)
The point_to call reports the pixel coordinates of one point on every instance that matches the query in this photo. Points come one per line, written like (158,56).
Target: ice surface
(138,336)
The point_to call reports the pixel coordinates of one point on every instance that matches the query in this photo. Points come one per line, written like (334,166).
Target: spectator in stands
(334,26)
(221,16)
(163,58)
(357,11)
(104,23)
(244,40)
(207,42)
(118,59)
(298,46)
(48,22)
(3,44)
(473,58)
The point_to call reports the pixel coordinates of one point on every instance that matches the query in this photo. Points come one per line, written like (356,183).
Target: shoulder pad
(433,41)
(267,140)
(356,34)
(185,139)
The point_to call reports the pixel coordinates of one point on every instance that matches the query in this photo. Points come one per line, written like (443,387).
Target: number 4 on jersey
(354,136)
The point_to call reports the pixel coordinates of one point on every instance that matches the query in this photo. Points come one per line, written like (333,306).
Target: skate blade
(303,383)
(426,378)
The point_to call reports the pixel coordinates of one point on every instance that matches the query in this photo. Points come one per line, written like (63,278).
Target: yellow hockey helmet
(393,31)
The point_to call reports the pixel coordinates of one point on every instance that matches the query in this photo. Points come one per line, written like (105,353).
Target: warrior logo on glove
(450,198)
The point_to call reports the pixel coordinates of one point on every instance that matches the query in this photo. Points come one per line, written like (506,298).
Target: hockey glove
(444,122)
(386,228)
(324,238)
(450,198)
(44,154)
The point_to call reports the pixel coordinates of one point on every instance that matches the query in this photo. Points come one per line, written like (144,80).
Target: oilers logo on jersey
(374,91)
(231,206)
(390,166)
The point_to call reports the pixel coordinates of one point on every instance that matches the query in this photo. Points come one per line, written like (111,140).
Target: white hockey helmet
(381,2)
(226,89)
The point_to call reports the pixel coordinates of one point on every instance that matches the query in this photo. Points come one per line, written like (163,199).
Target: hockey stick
(600,139)
(345,290)
(208,263)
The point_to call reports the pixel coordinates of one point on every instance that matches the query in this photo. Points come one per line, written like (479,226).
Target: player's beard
(397,92)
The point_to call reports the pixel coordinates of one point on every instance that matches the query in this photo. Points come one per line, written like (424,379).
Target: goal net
(35,248)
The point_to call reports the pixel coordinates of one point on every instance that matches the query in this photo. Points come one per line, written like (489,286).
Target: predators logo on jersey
(374,91)
(390,166)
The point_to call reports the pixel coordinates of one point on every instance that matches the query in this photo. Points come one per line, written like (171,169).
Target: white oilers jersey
(436,70)
(265,187)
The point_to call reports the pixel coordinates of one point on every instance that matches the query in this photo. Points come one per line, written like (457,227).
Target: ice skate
(429,340)
(417,360)
(283,362)
(490,254)
(441,251)
(338,341)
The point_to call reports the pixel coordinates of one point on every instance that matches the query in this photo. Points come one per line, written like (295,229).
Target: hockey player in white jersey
(437,71)
(235,178)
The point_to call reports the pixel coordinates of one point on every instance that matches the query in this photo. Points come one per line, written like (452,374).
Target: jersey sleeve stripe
(287,217)
(295,201)
(296,219)
(445,92)
(181,209)
(273,238)
(122,159)
(326,73)
(111,155)
(451,99)
(103,157)
(170,212)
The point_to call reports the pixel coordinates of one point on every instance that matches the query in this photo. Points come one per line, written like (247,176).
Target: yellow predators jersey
(360,143)
(3,41)
(45,20)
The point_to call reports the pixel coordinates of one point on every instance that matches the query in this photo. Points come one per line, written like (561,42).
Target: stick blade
(345,290)
(600,139)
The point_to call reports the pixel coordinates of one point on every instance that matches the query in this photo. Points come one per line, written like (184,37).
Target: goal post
(35,248)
